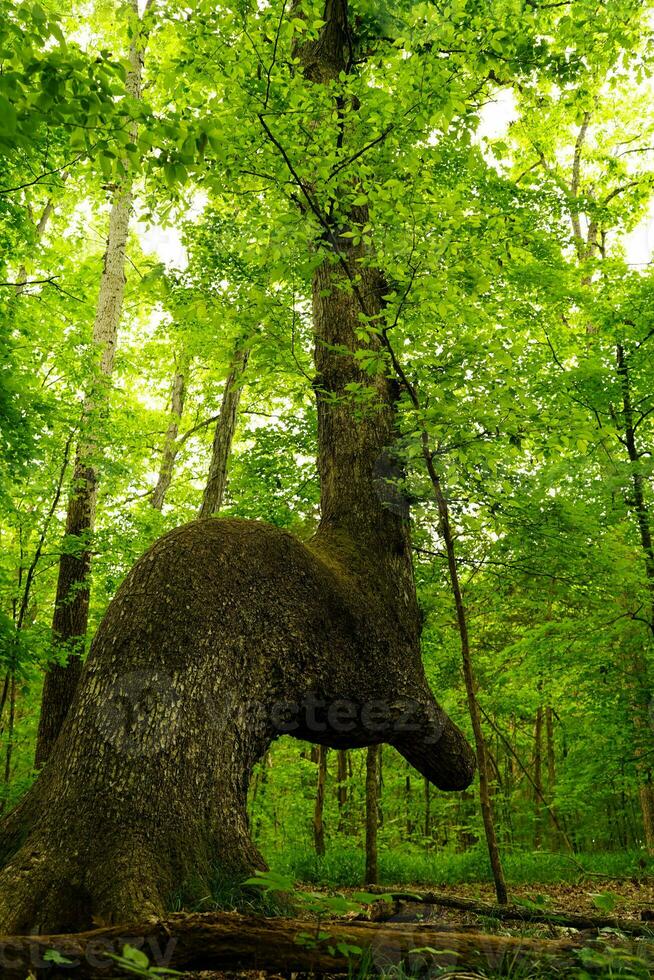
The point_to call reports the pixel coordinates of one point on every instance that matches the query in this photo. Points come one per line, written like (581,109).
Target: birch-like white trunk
(70,617)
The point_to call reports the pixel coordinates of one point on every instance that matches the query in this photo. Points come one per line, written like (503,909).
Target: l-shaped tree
(228,633)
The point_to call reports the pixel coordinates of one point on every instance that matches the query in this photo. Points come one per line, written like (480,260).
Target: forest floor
(631,899)
(626,898)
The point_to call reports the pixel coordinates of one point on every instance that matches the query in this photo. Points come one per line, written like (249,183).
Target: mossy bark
(224,635)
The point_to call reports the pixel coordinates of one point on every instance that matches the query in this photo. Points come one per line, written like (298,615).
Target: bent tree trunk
(71,612)
(226,634)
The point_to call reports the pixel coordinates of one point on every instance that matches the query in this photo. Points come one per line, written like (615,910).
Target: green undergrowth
(228,894)
(345,867)
(280,892)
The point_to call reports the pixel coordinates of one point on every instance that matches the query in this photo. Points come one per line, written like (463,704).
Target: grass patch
(345,867)
(229,894)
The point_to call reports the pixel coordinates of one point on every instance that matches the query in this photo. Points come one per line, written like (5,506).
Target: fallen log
(214,941)
(520,913)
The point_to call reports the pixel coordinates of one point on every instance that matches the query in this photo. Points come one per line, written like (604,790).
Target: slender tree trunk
(380,787)
(214,490)
(263,783)
(10,738)
(559,824)
(640,684)
(646,797)
(428,813)
(39,231)
(341,787)
(319,806)
(462,624)
(407,805)
(3,697)
(471,684)
(70,619)
(372,758)
(551,772)
(170,449)
(538,777)
(638,503)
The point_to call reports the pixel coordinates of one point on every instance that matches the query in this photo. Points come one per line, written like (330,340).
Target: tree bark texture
(70,618)
(225,634)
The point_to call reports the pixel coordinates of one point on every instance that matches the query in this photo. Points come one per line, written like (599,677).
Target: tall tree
(70,618)
(602,172)
(227,632)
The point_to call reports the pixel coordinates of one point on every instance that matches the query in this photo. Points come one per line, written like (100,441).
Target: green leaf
(605,901)
(7,116)
(135,956)
(54,956)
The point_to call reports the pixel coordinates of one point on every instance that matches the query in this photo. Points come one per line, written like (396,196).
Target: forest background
(506,162)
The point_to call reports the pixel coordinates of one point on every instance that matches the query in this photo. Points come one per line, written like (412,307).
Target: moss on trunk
(225,634)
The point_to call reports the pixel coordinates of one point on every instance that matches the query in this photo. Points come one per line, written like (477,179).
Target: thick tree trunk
(71,610)
(224,635)
(214,490)
(170,448)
